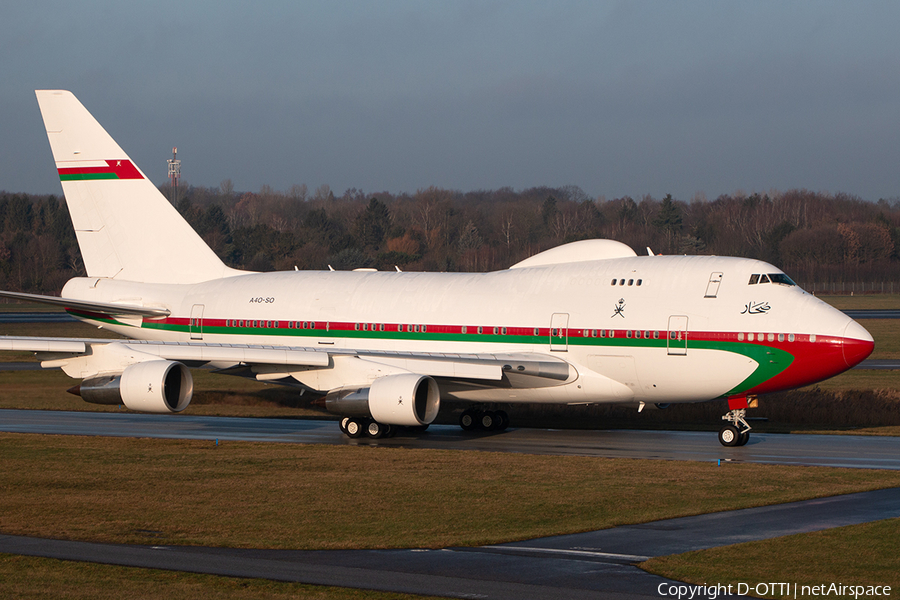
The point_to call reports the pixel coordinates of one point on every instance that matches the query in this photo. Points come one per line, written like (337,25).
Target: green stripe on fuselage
(770,361)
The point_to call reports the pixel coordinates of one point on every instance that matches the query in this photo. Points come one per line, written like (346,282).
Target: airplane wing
(111,309)
(83,358)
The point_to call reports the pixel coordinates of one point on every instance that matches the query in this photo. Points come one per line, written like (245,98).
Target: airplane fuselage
(654,329)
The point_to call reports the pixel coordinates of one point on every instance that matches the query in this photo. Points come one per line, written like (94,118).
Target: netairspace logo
(790,590)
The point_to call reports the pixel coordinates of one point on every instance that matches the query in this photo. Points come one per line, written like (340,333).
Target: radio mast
(174,175)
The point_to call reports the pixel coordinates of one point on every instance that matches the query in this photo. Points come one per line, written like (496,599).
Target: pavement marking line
(609,555)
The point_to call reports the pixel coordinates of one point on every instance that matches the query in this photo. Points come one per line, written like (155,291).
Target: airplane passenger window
(621,282)
(613,282)
(754,279)
(631,282)
(740,337)
(790,337)
(640,281)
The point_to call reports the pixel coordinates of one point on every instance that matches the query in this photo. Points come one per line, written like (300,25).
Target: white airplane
(584,323)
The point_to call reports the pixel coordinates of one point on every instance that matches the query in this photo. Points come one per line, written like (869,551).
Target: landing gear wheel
(486,420)
(502,420)
(374,430)
(343,424)
(354,428)
(737,432)
(729,436)
(467,420)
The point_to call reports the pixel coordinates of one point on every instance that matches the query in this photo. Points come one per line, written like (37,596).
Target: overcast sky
(619,98)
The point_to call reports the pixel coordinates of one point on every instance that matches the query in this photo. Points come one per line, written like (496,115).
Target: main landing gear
(473,419)
(356,427)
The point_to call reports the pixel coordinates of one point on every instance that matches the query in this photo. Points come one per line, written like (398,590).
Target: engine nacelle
(154,386)
(405,399)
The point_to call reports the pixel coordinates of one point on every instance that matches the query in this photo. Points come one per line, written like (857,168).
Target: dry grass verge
(297,496)
(47,579)
(856,555)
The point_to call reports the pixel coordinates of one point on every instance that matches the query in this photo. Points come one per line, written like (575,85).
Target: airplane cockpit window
(781,278)
(754,279)
(764,278)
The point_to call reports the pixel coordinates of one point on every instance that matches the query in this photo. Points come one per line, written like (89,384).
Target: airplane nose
(857,343)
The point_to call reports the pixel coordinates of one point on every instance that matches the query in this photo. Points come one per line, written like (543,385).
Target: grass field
(293,496)
(241,494)
(857,555)
(863,302)
(25,577)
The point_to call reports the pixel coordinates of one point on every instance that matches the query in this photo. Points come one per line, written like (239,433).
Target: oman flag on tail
(108,169)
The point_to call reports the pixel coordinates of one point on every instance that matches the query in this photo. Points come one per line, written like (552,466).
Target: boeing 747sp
(586,322)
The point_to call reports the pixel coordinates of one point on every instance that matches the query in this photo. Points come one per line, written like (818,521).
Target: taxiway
(869,452)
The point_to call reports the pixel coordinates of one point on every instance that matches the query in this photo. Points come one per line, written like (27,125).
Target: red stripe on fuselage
(812,360)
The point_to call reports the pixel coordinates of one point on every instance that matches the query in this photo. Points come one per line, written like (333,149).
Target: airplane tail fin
(126,229)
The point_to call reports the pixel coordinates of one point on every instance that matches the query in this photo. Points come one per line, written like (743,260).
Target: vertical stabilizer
(126,228)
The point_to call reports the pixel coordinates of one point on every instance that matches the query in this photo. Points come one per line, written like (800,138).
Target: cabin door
(712,288)
(559,332)
(678,334)
(197,322)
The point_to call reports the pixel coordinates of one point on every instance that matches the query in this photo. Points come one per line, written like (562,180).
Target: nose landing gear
(737,431)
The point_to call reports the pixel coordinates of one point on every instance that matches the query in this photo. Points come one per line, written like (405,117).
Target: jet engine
(154,386)
(405,399)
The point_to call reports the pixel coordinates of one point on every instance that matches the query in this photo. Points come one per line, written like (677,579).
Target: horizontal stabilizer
(41,344)
(101,307)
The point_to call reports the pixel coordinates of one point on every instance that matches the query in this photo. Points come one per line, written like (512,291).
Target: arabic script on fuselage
(756,308)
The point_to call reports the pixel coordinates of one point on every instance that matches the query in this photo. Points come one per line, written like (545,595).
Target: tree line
(812,236)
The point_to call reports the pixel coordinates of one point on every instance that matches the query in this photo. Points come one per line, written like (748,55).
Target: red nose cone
(857,344)
(856,351)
